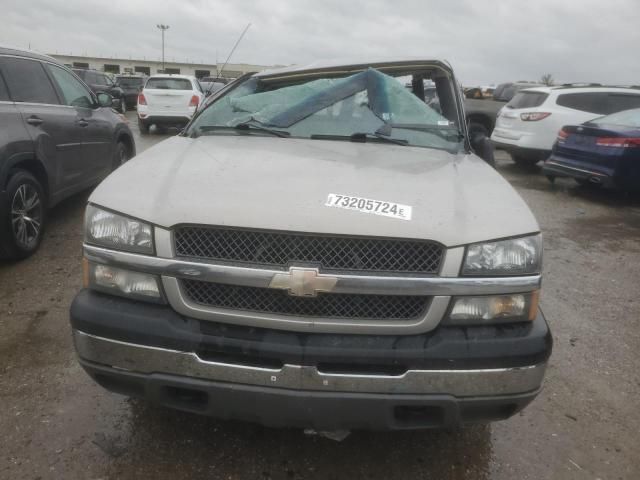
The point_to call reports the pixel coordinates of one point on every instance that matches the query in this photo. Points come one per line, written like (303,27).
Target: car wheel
(478,129)
(121,155)
(26,215)
(524,161)
(143,127)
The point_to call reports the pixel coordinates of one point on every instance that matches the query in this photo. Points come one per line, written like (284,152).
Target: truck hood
(283,184)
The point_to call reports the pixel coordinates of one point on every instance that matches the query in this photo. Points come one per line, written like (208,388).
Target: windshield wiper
(245,127)
(250,125)
(361,138)
(445,132)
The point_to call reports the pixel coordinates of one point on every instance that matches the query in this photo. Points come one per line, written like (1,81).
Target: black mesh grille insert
(267,300)
(335,253)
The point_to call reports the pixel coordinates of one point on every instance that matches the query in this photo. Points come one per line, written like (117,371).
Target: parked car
(481,113)
(604,151)
(473,92)
(528,125)
(131,86)
(56,139)
(211,87)
(101,82)
(168,101)
(318,248)
(487,92)
(506,91)
(223,80)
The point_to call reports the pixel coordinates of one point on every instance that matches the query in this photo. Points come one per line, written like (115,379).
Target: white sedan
(168,101)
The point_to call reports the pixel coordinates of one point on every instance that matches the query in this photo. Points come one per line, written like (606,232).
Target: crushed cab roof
(348,65)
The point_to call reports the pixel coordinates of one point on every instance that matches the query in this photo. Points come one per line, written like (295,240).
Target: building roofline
(152,60)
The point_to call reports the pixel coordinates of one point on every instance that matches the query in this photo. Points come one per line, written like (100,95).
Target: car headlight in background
(125,283)
(108,229)
(492,309)
(516,256)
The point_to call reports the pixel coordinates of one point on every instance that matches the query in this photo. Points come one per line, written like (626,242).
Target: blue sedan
(604,151)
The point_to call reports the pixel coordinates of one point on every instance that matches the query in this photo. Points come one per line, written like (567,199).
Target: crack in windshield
(367,105)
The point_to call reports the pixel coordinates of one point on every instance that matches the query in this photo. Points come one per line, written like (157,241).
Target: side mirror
(482,146)
(104,99)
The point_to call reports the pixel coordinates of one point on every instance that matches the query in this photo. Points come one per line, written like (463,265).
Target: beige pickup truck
(319,248)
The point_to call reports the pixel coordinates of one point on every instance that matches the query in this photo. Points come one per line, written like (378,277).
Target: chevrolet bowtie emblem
(303,282)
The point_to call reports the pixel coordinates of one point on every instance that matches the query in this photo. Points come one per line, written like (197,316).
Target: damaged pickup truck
(319,248)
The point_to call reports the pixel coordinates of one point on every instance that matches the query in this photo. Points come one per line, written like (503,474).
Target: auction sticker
(368,205)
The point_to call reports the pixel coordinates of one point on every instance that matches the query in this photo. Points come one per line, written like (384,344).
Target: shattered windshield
(369,103)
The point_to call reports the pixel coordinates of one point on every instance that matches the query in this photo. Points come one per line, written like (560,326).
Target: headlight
(125,283)
(517,256)
(108,229)
(493,309)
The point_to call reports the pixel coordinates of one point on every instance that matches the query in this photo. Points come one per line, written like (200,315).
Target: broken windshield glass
(382,94)
(359,103)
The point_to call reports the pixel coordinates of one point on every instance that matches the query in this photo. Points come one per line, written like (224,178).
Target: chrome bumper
(460,383)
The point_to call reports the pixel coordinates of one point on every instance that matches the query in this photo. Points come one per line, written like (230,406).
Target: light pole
(162,28)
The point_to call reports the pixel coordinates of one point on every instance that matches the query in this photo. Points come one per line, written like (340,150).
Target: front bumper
(323,411)
(442,378)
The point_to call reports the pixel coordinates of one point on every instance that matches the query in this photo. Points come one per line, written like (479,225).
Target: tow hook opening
(412,416)
(185,398)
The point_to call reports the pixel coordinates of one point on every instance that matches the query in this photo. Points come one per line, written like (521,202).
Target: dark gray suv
(56,139)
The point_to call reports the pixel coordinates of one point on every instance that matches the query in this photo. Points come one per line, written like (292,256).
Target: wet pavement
(56,423)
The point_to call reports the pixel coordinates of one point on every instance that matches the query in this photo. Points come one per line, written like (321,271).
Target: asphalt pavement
(56,423)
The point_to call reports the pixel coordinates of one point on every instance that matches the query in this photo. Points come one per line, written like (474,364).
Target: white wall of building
(121,65)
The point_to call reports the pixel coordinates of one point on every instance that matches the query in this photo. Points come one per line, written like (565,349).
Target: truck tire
(23,224)
(477,129)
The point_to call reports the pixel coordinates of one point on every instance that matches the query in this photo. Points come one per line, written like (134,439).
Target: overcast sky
(486,41)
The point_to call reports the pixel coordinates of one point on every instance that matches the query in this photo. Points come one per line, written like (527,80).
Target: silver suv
(319,248)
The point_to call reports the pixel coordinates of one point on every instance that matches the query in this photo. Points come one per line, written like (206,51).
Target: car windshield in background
(169,84)
(130,82)
(507,93)
(628,118)
(527,100)
(369,104)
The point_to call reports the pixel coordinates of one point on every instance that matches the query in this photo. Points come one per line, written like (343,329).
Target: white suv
(528,125)
(168,101)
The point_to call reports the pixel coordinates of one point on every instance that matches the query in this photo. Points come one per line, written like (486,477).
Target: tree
(546,79)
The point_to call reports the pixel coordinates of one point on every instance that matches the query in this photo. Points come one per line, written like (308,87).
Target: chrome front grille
(327,252)
(279,302)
